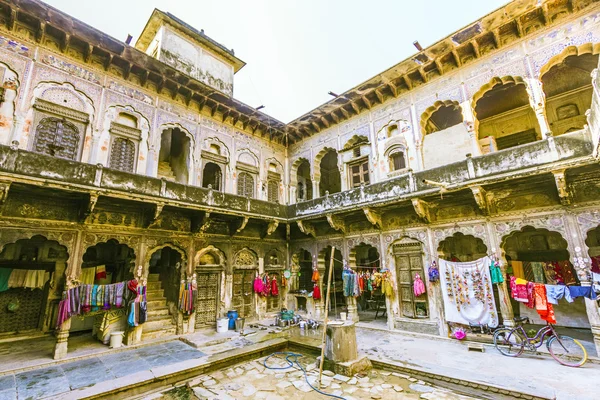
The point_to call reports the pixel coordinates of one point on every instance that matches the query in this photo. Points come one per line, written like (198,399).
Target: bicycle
(511,342)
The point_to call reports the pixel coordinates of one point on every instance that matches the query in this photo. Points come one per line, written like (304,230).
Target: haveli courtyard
(145,211)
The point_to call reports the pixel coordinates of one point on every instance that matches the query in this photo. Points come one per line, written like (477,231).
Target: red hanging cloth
(274,288)
(316,293)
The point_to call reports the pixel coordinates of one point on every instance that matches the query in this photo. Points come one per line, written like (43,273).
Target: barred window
(122,155)
(273,191)
(57,137)
(245,184)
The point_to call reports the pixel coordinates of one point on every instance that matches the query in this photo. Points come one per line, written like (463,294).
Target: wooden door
(243,294)
(409,261)
(208,298)
(274,301)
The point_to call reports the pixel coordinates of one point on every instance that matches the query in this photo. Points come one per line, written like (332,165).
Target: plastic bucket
(343,316)
(232,315)
(222,325)
(239,324)
(116,339)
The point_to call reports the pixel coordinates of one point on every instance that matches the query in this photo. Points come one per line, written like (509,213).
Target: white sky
(297,50)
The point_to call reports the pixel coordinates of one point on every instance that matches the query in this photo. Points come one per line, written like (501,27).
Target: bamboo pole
(326,316)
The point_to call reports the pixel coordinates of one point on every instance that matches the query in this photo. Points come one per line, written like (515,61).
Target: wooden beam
(214,109)
(439,65)
(519,26)
(355,107)
(144,77)
(379,95)
(497,40)
(407,81)
(325,122)
(188,98)
(423,74)
(335,117)
(475,46)
(11,21)
(236,119)
(87,52)
(345,112)
(107,62)
(127,70)
(457,59)
(226,115)
(65,43)
(393,89)
(366,102)
(316,126)
(546,14)
(175,92)
(246,122)
(40,34)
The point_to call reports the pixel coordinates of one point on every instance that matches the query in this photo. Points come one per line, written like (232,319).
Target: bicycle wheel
(567,351)
(509,342)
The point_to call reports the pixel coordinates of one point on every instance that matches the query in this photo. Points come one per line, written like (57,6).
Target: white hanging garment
(467,292)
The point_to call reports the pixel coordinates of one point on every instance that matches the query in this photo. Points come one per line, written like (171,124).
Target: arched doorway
(31,284)
(462,248)
(542,256)
(364,259)
(504,117)
(337,301)
(567,85)
(331,180)
(166,271)
(174,159)
(209,265)
(273,267)
(302,284)
(408,259)
(245,266)
(213,176)
(104,264)
(304,186)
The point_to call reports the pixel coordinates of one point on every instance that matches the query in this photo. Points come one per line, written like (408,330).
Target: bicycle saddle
(521,319)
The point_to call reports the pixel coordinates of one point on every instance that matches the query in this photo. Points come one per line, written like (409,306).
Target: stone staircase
(159,322)
(165,171)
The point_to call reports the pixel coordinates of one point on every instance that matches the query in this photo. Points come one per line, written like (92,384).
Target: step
(152,304)
(147,335)
(153,286)
(158,323)
(153,278)
(155,293)
(156,311)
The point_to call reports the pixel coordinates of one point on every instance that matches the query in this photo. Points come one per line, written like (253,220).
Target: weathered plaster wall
(446,146)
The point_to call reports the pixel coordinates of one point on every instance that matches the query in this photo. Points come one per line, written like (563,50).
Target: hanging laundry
(517,267)
(433,272)
(568,276)
(258,285)
(17,278)
(583,291)
(418,286)
(518,289)
(387,287)
(4,276)
(88,275)
(550,273)
(63,310)
(274,288)
(100,272)
(315,275)
(496,272)
(542,306)
(348,283)
(596,264)
(355,285)
(528,270)
(557,292)
(316,293)
(538,272)
(467,292)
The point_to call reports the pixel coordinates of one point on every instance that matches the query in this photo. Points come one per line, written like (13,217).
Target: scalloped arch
(429,111)
(494,82)
(586,48)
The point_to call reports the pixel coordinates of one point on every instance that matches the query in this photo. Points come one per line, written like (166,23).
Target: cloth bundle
(188,294)
(350,283)
(85,298)
(418,286)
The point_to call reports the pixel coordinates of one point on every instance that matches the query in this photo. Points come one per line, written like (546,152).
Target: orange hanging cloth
(543,308)
(315,275)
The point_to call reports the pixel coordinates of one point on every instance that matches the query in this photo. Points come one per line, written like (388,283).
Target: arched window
(245,184)
(57,137)
(273,190)
(212,175)
(397,160)
(122,155)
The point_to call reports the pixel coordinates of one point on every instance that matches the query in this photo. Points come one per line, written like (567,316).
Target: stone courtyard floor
(28,372)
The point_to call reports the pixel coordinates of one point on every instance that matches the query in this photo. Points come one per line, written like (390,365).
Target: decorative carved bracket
(237,227)
(4,188)
(422,209)
(307,228)
(271,227)
(374,217)
(91,205)
(201,224)
(560,178)
(157,211)
(336,223)
(481,198)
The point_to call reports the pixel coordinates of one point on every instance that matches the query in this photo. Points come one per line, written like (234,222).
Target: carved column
(152,162)
(506,309)
(315,183)
(62,340)
(469,122)
(537,100)
(17,131)
(95,147)
(352,308)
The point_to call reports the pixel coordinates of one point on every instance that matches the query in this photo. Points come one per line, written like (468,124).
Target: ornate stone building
(139,160)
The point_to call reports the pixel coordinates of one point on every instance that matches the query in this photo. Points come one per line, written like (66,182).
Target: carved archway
(586,48)
(431,110)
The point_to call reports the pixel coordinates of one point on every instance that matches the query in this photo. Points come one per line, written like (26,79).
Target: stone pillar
(469,122)
(345,185)
(506,309)
(94,147)
(419,151)
(537,100)
(352,308)
(62,340)
(315,183)
(17,132)
(152,162)
(593,313)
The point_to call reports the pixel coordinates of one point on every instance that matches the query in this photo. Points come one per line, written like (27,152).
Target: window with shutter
(57,137)
(273,191)
(397,161)
(122,155)
(360,173)
(245,184)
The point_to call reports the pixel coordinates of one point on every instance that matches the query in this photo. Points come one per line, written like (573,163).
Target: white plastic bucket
(116,339)
(222,325)
(343,316)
